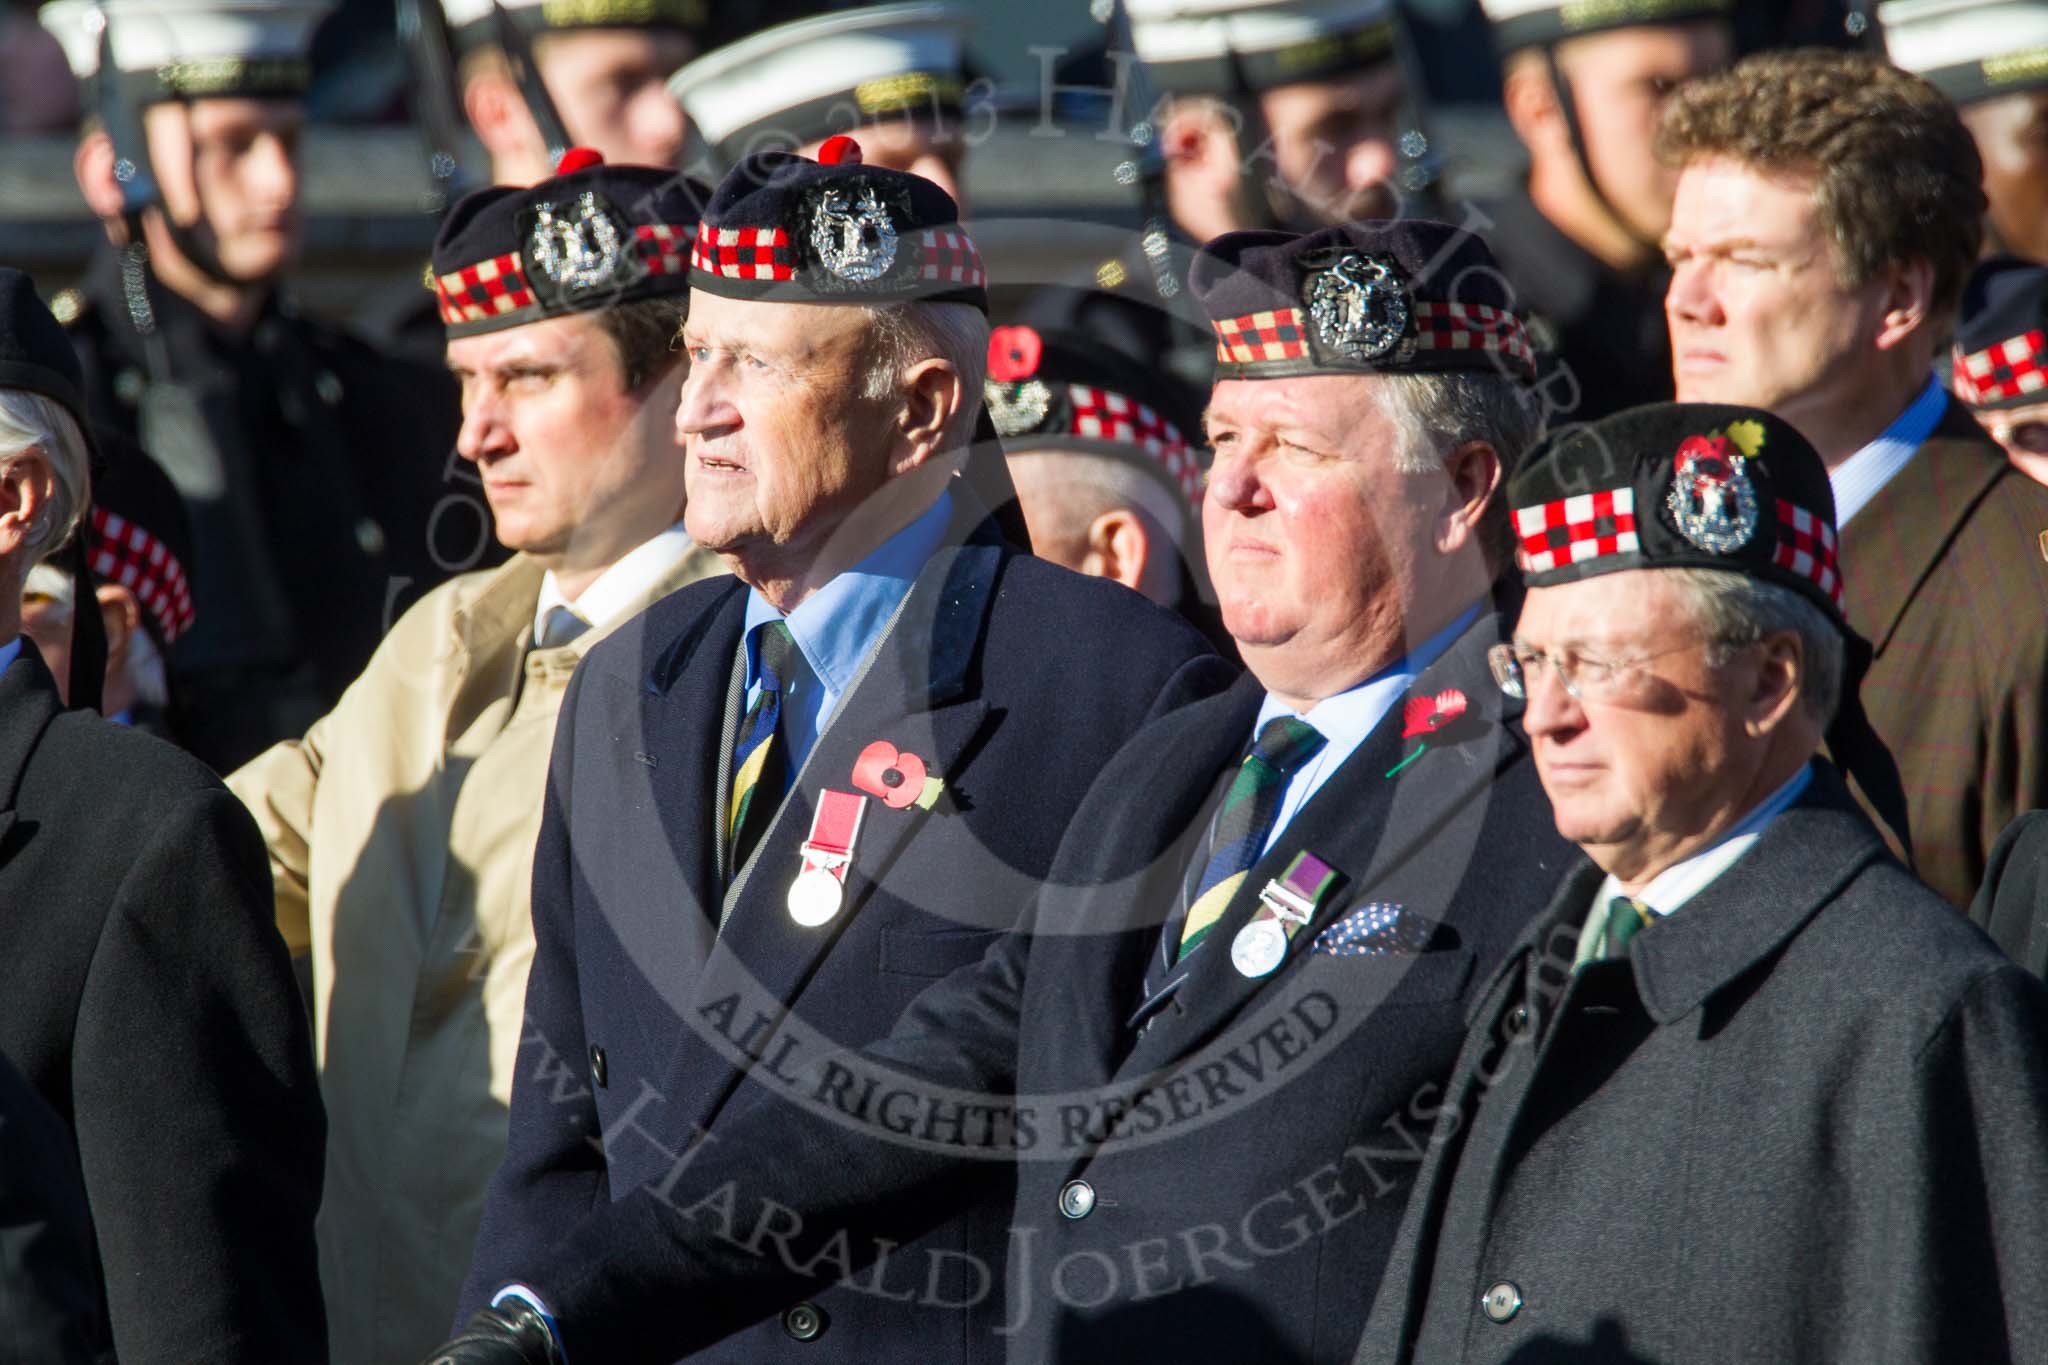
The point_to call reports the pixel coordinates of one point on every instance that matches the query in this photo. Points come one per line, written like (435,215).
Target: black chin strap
(1860,753)
(88,631)
(1568,106)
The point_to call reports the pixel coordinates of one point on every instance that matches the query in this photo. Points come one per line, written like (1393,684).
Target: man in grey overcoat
(1747,1090)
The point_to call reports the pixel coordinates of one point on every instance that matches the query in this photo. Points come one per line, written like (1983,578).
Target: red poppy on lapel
(1422,717)
(897,777)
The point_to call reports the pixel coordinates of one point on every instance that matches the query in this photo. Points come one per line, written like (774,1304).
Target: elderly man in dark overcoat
(1198,1084)
(144,992)
(782,804)
(1747,1090)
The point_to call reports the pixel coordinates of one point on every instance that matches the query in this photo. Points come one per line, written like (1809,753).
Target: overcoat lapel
(1890,547)
(676,755)
(28,703)
(1116,918)
(1363,823)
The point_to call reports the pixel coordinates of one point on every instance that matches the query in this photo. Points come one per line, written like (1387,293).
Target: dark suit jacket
(1013,680)
(146,995)
(1244,1159)
(1806,1119)
(49,1286)
(2012,905)
(1944,573)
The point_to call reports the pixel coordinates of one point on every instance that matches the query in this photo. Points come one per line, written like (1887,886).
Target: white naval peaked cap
(1530,23)
(473,25)
(182,49)
(1216,46)
(1972,50)
(829,73)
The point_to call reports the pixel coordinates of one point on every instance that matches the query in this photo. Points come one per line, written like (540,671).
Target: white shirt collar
(8,652)
(617,588)
(1680,882)
(1863,475)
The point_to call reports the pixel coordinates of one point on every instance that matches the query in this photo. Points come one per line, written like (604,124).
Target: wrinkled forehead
(780,324)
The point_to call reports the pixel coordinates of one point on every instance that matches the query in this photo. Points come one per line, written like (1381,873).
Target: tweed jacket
(145,994)
(1223,1184)
(660,979)
(1805,1119)
(401,832)
(1944,573)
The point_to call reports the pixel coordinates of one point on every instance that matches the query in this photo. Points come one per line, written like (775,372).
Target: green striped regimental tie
(1245,819)
(1625,918)
(760,757)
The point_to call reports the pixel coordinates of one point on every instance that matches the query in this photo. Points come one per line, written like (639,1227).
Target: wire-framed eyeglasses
(1583,676)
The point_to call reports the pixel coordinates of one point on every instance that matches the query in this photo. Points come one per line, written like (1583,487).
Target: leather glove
(512,1334)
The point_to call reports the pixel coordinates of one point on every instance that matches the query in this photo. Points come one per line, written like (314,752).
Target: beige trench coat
(401,831)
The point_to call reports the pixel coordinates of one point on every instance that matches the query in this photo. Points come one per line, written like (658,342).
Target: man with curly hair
(1828,213)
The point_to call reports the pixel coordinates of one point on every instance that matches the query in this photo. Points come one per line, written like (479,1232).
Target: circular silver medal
(1258,947)
(814,897)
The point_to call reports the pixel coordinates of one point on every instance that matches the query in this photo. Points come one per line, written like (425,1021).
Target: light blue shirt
(1863,475)
(1347,718)
(838,626)
(8,651)
(1680,882)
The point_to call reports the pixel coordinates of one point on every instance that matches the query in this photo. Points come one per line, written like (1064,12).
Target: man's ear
(122,614)
(1781,671)
(496,112)
(1908,303)
(1472,479)
(932,395)
(92,165)
(1118,546)
(1199,143)
(27,484)
(1530,100)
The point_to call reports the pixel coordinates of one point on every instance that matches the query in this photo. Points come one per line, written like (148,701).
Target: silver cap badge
(1359,305)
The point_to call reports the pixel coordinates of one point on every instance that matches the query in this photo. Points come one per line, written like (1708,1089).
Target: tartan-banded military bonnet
(2001,346)
(791,84)
(1969,49)
(1679,486)
(192,49)
(1538,23)
(474,26)
(783,228)
(1404,297)
(593,236)
(1241,46)
(1060,388)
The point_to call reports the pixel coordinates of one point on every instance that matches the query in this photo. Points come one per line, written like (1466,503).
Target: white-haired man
(144,993)
(782,804)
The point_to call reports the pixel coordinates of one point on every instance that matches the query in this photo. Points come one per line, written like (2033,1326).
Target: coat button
(1077,1199)
(1518,1019)
(597,1070)
(805,1321)
(1501,1302)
